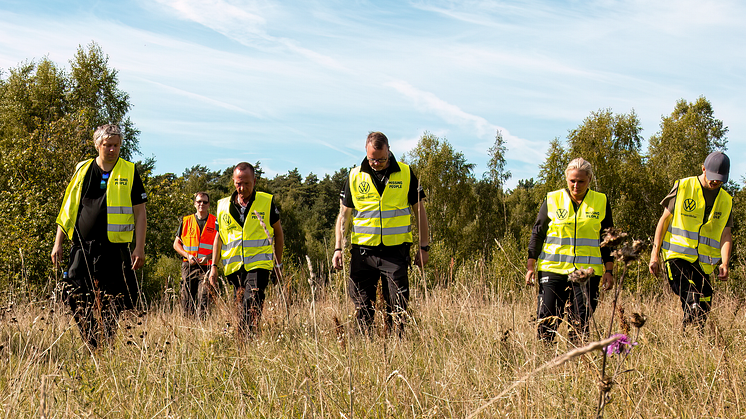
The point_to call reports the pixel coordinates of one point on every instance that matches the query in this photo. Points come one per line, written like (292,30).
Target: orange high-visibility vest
(195,243)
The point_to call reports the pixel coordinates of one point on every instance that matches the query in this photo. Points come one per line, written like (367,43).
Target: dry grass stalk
(593,346)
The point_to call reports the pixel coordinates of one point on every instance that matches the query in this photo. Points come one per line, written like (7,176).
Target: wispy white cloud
(429,102)
(243,22)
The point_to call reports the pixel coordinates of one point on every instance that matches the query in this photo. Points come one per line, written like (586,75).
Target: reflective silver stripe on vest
(205,246)
(692,235)
(233,259)
(709,242)
(708,260)
(679,249)
(585,260)
(191,248)
(257,258)
(231,245)
(119,210)
(120,227)
(388,231)
(256,243)
(382,214)
(568,241)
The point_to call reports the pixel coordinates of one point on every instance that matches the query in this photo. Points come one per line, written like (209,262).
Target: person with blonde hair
(102,212)
(564,253)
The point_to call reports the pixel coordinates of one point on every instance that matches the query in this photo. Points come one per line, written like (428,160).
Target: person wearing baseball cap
(694,237)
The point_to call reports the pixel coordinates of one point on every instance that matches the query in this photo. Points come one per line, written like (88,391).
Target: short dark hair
(244,166)
(378,140)
(202,193)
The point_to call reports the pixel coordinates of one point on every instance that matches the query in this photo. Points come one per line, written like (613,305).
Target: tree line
(47,115)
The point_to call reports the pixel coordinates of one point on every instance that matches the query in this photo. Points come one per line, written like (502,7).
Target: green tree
(447,180)
(685,139)
(611,143)
(45,129)
(94,87)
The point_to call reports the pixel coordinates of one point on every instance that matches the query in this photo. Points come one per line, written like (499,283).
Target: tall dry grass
(465,344)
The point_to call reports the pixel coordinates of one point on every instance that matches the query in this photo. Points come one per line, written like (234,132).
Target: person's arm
(57,248)
(217,246)
(141,224)
(654,266)
(726,242)
(279,242)
(608,276)
(340,227)
(179,247)
(420,216)
(538,234)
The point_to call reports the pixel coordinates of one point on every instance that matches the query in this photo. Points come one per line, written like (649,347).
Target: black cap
(717,166)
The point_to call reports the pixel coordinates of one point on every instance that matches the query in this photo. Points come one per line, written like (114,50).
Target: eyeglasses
(378,161)
(202,202)
(104,178)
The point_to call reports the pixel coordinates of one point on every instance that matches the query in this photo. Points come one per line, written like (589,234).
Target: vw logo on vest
(690,205)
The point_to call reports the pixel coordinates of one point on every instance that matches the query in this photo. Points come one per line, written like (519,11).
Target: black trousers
(249,287)
(692,285)
(194,292)
(389,265)
(100,284)
(555,292)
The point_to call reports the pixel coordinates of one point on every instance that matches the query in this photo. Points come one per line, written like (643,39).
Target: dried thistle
(638,320)
(623,322)
(605,384)
(340,331)
(581,276)
(613,237)
(629,253)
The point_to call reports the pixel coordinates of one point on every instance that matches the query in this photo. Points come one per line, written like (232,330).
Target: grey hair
(105,131)
(580,164)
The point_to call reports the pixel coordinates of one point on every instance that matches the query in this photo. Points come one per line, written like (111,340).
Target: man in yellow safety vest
(194,239)
(694,236)
(378,200)
(249,243)
(102,211)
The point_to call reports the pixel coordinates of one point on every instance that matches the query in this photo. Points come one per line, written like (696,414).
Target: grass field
(465,345)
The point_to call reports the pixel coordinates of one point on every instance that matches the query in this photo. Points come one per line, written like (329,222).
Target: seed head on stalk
(613,237)
(580,276)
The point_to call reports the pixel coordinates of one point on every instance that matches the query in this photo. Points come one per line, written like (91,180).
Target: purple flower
(621,346)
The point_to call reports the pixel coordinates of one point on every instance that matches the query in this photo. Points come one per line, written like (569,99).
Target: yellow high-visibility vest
(573,237)
(380,218)
(119,215)
(689,235)
(195,243)
(248,246)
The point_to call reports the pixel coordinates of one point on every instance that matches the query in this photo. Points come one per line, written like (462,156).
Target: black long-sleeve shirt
(539,231)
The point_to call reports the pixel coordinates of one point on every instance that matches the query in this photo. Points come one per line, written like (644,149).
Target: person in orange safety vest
(194,239)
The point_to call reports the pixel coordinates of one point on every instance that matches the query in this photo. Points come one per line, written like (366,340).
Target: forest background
(48,114)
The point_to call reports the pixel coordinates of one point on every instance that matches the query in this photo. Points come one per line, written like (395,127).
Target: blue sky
(300,84)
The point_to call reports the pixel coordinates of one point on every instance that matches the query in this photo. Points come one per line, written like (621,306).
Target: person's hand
(608,280)
(723,272)
(654,266)
(530,277)
(138,258)
(57,254)
(213,276)
(191,259)
(337,259)
(202,260)
(421,258)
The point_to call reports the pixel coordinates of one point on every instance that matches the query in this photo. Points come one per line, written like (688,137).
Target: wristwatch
(425,248)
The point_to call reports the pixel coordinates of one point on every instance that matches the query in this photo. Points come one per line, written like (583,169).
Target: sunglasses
(202,202)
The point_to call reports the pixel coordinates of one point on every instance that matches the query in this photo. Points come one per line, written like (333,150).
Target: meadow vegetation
(465,344)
